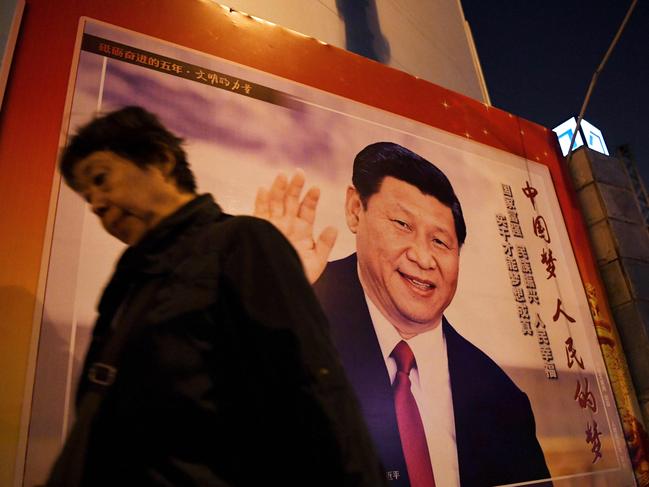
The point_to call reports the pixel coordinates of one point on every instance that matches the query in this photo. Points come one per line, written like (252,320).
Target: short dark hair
(381,159)
(134,134)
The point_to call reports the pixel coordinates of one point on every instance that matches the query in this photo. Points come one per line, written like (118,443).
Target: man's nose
(420,252)
(97,203)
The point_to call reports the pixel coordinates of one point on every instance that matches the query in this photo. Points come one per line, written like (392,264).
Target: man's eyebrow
(404,209)
(89,166)
(82,168)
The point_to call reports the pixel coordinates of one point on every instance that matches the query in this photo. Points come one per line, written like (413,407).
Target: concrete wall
(10,15)
(621,244)
(430,40)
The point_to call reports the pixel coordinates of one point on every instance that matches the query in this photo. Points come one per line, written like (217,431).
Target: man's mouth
(423,284)
(114,222)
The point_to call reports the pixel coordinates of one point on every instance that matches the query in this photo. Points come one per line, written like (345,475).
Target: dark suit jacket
(494,424)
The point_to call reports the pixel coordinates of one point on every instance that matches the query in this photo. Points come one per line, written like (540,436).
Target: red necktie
(411,429)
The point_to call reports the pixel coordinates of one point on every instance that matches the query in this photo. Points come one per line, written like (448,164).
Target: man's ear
(353,208)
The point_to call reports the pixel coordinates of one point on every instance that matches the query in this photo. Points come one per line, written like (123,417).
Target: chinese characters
(139,57)
(521,278)
(584,397)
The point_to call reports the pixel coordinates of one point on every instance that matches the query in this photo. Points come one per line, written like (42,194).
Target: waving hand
(281,206)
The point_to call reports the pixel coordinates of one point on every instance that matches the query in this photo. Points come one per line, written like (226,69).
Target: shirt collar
(388,336)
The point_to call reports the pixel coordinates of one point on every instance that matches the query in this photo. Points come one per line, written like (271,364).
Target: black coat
(226,376)
(494,423)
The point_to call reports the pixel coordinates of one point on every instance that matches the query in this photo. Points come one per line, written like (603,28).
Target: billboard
(520,301)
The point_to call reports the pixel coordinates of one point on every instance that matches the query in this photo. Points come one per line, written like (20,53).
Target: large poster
(519,300)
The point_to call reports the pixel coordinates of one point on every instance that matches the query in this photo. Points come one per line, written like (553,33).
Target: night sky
(539,57)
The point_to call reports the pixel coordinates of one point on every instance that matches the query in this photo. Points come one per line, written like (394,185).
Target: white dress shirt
(431,387)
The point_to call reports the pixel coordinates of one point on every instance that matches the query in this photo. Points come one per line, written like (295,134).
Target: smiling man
(441,412)
(407,251)
(210,362)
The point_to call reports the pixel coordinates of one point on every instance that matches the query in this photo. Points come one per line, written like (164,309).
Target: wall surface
(621,243)
(429,40)
(10,15)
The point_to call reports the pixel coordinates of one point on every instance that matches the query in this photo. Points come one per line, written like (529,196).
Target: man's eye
(440,242)
(99,179)
(401,224)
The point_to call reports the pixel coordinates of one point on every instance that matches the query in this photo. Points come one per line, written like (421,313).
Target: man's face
(408,254)
(128,199)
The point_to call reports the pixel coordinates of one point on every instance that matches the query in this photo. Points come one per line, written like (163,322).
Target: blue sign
(592,135)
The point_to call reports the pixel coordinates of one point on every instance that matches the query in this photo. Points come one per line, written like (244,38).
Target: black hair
(134,134)
(381,159)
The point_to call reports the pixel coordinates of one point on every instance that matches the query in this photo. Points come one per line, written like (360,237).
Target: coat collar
(150,254)
(154,254)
